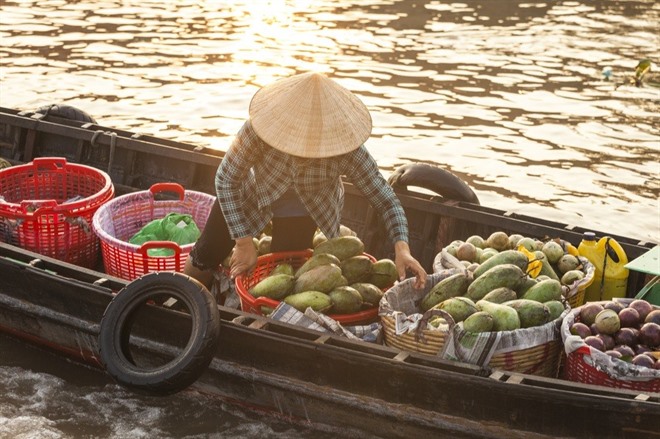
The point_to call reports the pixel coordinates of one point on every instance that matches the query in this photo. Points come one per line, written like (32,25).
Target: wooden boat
(326,382)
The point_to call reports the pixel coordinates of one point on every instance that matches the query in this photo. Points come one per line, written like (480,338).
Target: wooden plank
(154,146)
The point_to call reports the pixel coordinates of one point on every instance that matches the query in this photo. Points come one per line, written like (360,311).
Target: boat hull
(319,380)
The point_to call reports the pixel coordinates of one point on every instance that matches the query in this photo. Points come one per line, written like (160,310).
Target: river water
(509,95)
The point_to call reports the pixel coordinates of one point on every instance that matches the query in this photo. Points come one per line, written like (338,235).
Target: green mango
(356,268)
(383,273)
(500,295)
(503,275)
(556,309)
(370,293)
(452,286)
(282,269)
(323,278)
(505,318)
(478,322)
(275,287)
(343,247)
(345,300)
(544,291)
(530,312)
(315,261)
(316,300)
(459,308)
(505,257)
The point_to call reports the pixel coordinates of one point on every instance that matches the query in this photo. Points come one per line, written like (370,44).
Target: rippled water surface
(52,398)
(509,95)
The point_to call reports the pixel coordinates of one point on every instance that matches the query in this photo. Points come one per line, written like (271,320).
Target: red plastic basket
(47,207)
(118,220)
(576,368)
(266,264)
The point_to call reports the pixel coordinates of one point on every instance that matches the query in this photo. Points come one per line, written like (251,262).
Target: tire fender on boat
(194,358)
(65,112)
(435,179)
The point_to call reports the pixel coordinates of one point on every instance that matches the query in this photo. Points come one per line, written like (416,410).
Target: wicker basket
(575,294)
(541,359)
(434,340)
(577,299)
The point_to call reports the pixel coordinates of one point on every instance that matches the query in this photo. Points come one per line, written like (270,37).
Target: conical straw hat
(310,115)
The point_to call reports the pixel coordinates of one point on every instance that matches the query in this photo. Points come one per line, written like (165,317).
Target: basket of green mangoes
(541,260)
(336,278)
(514,286)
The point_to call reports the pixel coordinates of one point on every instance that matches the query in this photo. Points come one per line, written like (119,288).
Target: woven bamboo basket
(542,359)
(576,299)
(435,340)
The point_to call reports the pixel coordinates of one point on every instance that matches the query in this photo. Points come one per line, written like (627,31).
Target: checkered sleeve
(232,172)
(363,171)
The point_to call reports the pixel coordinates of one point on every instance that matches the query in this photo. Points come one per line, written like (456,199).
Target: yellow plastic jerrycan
(609,259)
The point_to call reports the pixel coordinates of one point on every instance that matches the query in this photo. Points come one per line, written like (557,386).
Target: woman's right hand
(243,258)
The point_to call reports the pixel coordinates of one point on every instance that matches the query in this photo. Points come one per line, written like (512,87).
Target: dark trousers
(215,244)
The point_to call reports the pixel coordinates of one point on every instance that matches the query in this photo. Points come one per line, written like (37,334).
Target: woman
(285,165)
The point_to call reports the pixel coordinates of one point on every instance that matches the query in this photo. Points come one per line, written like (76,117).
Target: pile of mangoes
(509,282)
(339,278)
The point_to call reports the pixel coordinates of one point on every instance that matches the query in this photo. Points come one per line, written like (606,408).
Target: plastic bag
(175,227)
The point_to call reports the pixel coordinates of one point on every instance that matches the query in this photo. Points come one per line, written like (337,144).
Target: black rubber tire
(66,112)
(195,357)
(435,179)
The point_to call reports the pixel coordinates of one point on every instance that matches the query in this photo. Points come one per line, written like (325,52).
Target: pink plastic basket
(47,207)
(117,221)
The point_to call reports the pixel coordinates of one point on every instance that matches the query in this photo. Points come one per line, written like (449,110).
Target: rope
(50,107)
(113,145)
(97,133)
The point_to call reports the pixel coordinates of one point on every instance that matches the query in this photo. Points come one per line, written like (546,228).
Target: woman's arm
(364,173)
(232,172)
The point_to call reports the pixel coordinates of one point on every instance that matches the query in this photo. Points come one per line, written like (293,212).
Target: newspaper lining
(311,319)
(223,287)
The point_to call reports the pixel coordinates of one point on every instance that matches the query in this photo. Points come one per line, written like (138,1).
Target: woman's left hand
(405,261)
(243,258)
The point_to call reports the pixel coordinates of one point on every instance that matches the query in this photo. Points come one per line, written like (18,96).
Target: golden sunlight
(275,33)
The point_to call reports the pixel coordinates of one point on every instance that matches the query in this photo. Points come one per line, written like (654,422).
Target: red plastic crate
(47,206)
(577,369)
(266,264)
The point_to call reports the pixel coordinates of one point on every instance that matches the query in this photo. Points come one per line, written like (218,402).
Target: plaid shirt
(253,175)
